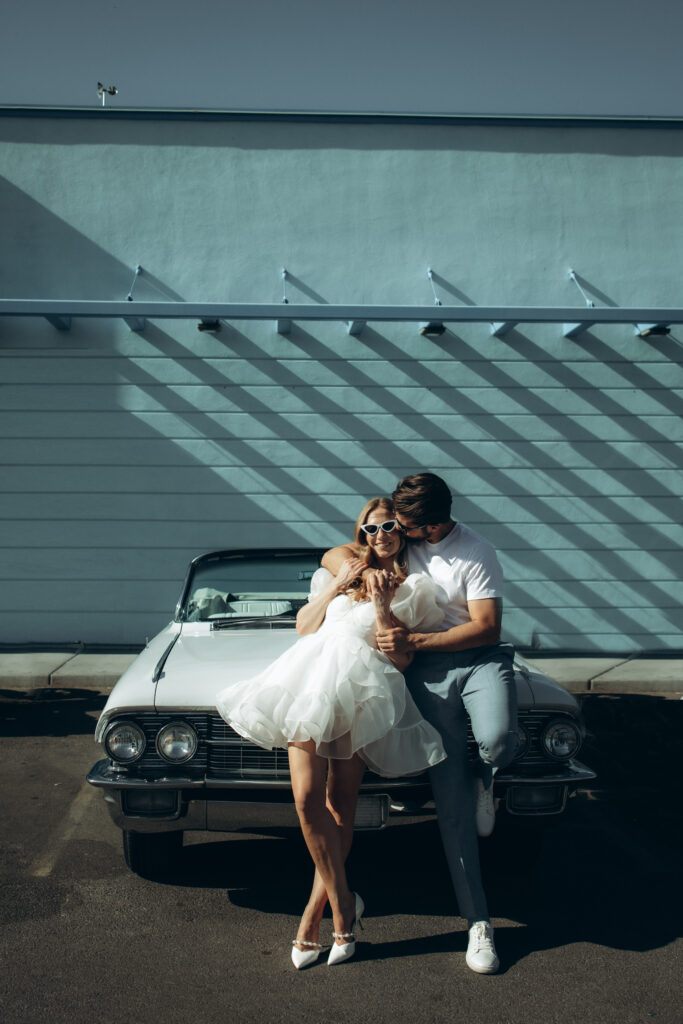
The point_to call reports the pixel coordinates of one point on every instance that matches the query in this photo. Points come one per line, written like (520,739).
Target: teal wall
(125,454)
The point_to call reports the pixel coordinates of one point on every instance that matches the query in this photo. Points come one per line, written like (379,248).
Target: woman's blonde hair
(359,591)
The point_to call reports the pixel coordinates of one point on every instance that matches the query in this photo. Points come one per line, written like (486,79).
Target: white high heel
(342,951)
(304,957)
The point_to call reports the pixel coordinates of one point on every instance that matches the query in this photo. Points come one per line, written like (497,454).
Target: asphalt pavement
(586,906)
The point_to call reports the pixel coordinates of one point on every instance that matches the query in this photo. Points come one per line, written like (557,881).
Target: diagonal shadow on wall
(248,435)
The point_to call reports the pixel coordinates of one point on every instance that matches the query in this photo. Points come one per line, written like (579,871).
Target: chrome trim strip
(159,669)
(572,773)
(106,775)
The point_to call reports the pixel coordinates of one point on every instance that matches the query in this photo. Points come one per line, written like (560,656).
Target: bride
(339,705)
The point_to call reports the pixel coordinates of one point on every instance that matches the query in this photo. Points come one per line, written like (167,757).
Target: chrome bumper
(536,795)
(573,773)
(225,805)
(221,805)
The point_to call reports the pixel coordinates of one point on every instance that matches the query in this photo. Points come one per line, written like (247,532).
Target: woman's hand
(311,616)
(351,570)
(381,586)
(386,624)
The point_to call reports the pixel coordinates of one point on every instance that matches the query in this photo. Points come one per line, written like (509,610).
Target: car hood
(199,662)
(541,689)
(201,665)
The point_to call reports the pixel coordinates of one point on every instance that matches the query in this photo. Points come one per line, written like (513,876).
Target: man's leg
(489,694)
(490,697)
(434,681)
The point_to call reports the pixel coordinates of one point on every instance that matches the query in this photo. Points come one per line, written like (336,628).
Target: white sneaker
(485,812)
(481,953)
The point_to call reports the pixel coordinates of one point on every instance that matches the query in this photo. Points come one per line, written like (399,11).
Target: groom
(459,672)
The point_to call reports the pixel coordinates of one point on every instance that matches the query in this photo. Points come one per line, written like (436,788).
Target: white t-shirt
(464,565)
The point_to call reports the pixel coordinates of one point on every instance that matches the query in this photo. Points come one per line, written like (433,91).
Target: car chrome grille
(231,756)
(224,754)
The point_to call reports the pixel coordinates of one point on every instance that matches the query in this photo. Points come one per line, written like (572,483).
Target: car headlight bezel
(117,726)
(550,742)
(192,741)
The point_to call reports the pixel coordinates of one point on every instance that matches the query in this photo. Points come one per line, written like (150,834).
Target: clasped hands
(394,639)
(380,584)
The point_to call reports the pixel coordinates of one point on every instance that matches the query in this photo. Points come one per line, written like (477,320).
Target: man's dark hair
(423,498)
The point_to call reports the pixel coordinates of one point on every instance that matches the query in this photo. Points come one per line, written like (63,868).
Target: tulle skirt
(337,690)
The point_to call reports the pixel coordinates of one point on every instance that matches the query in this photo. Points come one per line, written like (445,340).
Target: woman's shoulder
(319,580)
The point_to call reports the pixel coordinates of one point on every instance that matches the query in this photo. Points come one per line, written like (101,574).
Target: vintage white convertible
(172,764)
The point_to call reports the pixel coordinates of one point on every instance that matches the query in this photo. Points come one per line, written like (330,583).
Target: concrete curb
(61,670)
(581,675)
(657,676)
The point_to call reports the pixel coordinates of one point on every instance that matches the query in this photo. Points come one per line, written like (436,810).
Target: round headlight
(561,739)
(124,742)
(522,742)
(177,742)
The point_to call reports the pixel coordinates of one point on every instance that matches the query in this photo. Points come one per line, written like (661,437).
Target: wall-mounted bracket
(136,323)
(355,327)
(136,273)
(571,274)
(572,330)
(430,275)
(284,326)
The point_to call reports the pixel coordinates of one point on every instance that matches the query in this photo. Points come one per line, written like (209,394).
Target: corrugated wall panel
(122,454)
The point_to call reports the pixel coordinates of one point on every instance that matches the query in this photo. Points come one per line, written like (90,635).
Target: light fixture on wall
(652,330)
(433,329)
(209,326)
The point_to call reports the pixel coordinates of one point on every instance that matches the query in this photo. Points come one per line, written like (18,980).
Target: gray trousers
(448,688)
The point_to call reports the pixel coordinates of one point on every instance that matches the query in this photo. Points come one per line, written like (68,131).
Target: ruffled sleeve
(319,580)
(420,604)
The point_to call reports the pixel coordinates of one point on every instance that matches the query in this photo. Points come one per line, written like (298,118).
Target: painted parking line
(44,865)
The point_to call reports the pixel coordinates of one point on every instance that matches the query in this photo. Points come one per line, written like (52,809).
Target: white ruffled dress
(336,688)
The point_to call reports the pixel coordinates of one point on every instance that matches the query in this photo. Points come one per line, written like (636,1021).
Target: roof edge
(341,117)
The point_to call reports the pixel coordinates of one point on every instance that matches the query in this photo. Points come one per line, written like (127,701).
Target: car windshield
(237,586)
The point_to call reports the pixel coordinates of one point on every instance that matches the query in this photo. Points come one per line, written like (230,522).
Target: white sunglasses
(388,527)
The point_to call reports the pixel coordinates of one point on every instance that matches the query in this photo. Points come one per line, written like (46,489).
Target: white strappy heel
(342,951)
(304,957)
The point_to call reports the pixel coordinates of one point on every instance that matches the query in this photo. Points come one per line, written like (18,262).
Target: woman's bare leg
(343,782)
(326,818)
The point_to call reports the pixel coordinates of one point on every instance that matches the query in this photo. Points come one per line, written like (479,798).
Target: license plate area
(372,812)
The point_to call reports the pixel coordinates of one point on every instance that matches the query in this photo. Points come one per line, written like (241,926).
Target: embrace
(399,648)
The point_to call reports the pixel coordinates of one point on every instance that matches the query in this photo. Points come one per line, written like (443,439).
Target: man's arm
(335,557)
(484,628)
